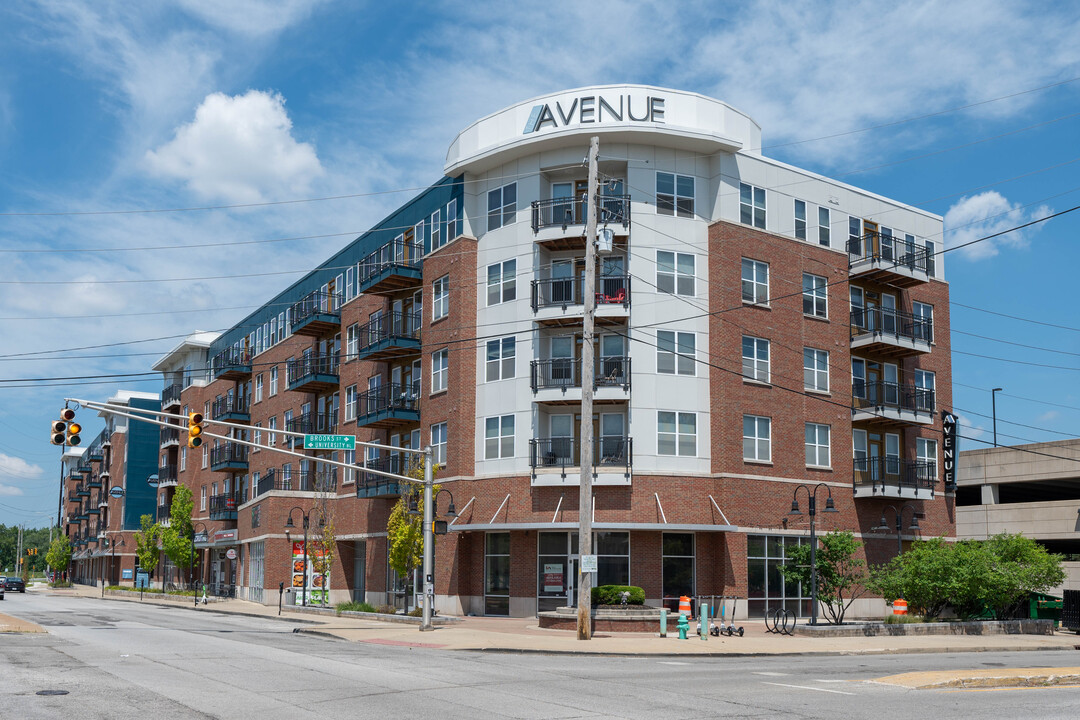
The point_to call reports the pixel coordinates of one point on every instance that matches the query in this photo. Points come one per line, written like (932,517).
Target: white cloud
(976,216)
(969,430)
(1049,416)
(250,17)
(10,491)
(16,467)
(239,149)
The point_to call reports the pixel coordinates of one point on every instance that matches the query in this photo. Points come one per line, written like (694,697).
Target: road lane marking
(809,687)
(772,674)
(674,662)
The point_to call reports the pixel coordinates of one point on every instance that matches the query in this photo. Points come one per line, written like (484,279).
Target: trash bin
(1045,607)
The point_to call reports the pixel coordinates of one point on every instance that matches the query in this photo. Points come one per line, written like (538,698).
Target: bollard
(683,626)
(663,622)
(703,627)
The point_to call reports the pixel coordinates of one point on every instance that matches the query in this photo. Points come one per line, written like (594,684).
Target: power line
(1014,317)
(1017,362)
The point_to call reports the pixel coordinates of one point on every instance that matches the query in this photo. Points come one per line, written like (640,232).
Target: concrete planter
(632,619)
(978,627)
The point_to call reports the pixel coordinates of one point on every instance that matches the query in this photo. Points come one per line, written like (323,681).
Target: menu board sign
(317,583)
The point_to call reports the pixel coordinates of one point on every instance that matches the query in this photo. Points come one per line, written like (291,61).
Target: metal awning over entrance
(656,527)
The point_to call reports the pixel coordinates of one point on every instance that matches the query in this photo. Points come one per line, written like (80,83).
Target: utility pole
(584,614)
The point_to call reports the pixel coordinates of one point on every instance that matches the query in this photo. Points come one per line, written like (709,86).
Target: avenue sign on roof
(595,109)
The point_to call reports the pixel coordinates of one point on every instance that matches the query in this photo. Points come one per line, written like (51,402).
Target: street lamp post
(289,525)
(191,571)
(993,411)
(812,504)
(898,515)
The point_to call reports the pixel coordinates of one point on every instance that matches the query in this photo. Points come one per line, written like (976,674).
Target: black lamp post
(829,508)
(898,515)
(289,525)
(993,410)
(112,558)
(191,571)
(450,511)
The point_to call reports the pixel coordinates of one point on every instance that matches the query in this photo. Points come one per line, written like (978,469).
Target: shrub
(903,619)
(60,584)
(416,612)
(355,607)
(386,610)
(612,595)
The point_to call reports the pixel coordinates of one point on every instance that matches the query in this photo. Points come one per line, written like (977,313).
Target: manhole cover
(52,692)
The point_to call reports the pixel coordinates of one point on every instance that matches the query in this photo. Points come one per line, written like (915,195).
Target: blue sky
(191,103)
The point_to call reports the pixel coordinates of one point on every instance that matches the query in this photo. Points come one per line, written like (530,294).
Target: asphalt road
(115,659)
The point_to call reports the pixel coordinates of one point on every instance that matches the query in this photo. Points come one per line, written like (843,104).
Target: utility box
(1070,610)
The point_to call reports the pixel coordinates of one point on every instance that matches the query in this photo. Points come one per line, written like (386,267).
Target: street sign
(588,563)
(116,491)
(152,481)
(231,554)
(329,442)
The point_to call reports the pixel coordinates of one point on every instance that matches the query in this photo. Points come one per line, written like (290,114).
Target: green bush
(416,612)
(386,610)
(354,607)
(612,595)
(60,584)
(903,619)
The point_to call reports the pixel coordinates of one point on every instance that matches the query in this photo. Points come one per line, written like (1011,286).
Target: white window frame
(501,359)
(183,459)
(271,434)
(439,437)
(755,359)
(351,401)
(818,438)
(815,290)
(436,230)
(674,200)
(440,298)
(202,499)
(499,437)
(762,444)
(682,442)
(751,280)
(922,445)
(753,210)
(502,281)
(273,381)
(800,222)
(352,342)
(815,370)
(440,370)
(504,212)
(824,231)
(673,276)
(258,387)
(924,311)
(451,221)
(679,349)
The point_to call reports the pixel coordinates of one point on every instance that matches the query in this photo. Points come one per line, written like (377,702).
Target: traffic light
(194,430)
(59,430)
(73,430)
(65,431)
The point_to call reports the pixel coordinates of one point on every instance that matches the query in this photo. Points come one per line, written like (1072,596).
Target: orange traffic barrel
(684,605)
(899,607)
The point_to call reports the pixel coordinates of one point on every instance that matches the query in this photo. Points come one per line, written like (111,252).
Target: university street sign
(329,442)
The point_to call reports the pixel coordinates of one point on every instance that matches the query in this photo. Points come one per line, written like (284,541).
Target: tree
(59,555)
(322,560)
(147,543)
(841,577)
(178,539)
(405,532)
(927,576)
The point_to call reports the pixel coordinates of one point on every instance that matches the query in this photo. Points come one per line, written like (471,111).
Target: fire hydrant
(683,626)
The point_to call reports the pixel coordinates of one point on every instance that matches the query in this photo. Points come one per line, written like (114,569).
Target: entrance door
(359,584)
(888,314)
(873,383)
(562,282)
(877,451)
(561,451)
(562,361)
(557,570)
(562,209)
(572,581)
(581,194)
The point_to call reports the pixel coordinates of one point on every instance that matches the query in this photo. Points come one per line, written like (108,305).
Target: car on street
(14,583)
(2,587)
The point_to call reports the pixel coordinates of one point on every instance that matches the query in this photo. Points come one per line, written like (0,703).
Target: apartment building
(106,492)
(759,327)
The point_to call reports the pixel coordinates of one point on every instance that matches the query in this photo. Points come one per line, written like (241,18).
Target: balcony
(230,408)
(311,423)
(388,406)
(890,333)
(389,336)
(890,403)
(891,260)
(163,514)
(223,507)
(168,436)
(558,380)
(84,469)
(613,459)
(95,482)
(229,457)
(893,477)
(394,266)
(370,485)
(167,476)
(103,500)
(171,396)
(231,364)
(561,301)
(317,481)
(92,509)
(318,313)
(313,373)
(96,453)
(552,219)
(73,495)
(82,490)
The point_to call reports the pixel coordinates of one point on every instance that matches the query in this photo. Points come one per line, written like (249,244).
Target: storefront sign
(116,491)
(317,583)
(200,537)
(948,448)
(553,578)
(230,554)
(586,109)
(125,574)
(588,563)
(224,535)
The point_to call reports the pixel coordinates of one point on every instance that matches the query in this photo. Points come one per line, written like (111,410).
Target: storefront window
(497,574)
(678,567)
(612,558)
(766,587)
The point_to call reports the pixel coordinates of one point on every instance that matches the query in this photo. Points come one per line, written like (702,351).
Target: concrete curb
(201,608)
(723,655)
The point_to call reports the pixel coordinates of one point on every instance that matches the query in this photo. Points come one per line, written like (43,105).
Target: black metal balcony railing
(223,507)
(163,512)
(564,373)
(167,475)
(894,472)
(298,481)
(315,307)
(171,395)
(73,495)
(562,453)
(95,452)
(228,455)
(879,247)
(94,482)
(396,253)
(890,324)
(369,484)
(387,329)
(565,211)
(231,363)
(564,292)
(168,435)
(879,394)
(389,398)
(303,369)
(310,423)
(82,489)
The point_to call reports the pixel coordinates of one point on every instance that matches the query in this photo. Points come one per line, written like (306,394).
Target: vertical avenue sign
(329,442)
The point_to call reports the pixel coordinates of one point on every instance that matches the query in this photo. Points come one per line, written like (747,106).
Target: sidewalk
(523,635)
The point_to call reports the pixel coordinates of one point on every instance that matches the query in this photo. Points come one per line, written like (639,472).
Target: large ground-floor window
(678,566)
(497,574)
(557,565)
(765,585)
(255,563)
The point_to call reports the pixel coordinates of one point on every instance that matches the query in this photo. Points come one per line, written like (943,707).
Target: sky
(110,110)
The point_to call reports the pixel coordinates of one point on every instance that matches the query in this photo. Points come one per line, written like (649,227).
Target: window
(205,455)
(676,433)
(202,499)
(675,273)
(499,437)
(752,205)
(183,459)
(497,574)
(440,292)
(502,206)
(258,388)
(926,454)
(757,438)
(349,457)
(674,194)
(815,370)
(273,381)
(350,403)
(502,282)
(436,230)
(678,564)
(766,588)
(675,354)
(440,364)
(924,390)
(352,342)
(438,443)
(451,221)
(824,229)
(815,296)
(931,258)
(817,445)
(500,358)
(924,321)
(755,282)
(800,219)
(271,436)
(256,435)
(755,359)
